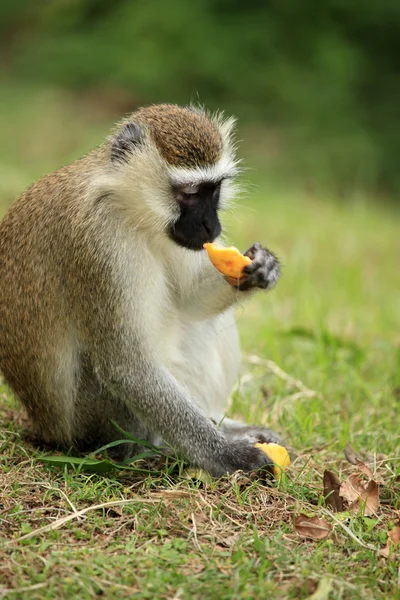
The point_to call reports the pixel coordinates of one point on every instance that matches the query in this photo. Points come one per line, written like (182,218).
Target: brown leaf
(385,551)
(352,488)
(331,491)
(394,535)
(116,511)
(393,540)
(364,469)
(323,590)
(351,454)
(359,496)
(369,501)
(312,527)
(230,540)
(199,518)
(191,569)
(199,474)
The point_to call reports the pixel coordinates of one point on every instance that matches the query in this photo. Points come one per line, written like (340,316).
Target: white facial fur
(142,186)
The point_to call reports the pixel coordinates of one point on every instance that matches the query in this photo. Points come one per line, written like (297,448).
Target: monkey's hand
(263,272)
(213,296)
(239,454)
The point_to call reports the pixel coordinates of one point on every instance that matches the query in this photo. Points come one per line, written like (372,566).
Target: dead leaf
(188,570)
(331,491)
(393,540)
(352,488)
(351,454)
(198,474)
(323,590)
(199,518)
(229,541)
(394,535)
(364,469)
(369,501)
(385,552)
(359,496)
(116,511)
(312,527)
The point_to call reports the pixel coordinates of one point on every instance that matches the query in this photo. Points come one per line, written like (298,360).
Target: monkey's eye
(186,193)
(190,189)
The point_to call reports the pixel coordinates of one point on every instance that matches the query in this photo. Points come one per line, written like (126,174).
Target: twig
(60,522)
(276,370)
(194,530)
(117,585)
(47,486)
(299,395)
(348,531)
(28,588)
(63,494)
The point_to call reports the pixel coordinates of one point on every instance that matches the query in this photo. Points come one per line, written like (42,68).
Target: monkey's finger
(234,282)
(252,251)
(257,263)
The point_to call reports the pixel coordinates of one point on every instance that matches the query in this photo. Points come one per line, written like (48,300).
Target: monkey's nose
(211,229)
(207,229)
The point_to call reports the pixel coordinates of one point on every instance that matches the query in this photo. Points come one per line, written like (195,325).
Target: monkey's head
(179,164)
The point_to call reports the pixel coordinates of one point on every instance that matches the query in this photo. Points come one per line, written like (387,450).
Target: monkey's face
(198,220)
(175,167)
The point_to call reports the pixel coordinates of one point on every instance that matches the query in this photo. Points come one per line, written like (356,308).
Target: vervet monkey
(110,309)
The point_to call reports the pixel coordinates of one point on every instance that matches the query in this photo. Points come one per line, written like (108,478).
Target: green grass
(332,324)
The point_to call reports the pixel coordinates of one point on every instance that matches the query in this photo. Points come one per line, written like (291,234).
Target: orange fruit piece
(229,261)
(278,454)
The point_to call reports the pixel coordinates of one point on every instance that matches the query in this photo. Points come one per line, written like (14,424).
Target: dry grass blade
(17,591)
(331,491)
(364,469)
(60,522)
(348,531)
(172,494)
(312,527)
(276,370)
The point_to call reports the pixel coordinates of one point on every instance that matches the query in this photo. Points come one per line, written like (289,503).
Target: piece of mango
(278,454)
(229,261)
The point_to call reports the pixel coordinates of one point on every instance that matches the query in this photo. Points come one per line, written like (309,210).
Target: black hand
(240,454)
(263,272)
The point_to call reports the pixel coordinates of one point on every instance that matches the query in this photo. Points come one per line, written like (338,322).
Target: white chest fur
(202,354)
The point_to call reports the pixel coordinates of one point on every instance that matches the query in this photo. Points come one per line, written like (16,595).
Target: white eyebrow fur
(225,168)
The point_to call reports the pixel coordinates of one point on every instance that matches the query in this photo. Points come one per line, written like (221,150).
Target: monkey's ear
(126,141)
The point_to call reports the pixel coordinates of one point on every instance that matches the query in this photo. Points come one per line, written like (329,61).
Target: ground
(321,365)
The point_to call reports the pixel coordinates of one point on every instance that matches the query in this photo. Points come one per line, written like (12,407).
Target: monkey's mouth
(194,240)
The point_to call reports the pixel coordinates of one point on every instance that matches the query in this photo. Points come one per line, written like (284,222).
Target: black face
(198,222)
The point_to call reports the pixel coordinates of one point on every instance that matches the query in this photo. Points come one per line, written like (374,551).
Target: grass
(332,325)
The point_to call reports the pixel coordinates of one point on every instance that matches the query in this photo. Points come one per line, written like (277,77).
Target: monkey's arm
(129,372)
(213,294)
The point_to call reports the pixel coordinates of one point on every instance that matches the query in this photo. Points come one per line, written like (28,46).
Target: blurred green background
(316,88)
(315,84)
